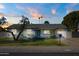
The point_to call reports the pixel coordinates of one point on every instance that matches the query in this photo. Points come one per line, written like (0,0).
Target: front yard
(45,42)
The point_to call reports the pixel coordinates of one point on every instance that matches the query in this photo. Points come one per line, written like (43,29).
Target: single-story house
(39,31)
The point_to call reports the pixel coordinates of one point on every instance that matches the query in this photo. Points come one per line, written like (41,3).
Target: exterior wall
(75,34)
(45,34)
(30,33)
(5,34)
(65,34)
(69,34)
(14,31)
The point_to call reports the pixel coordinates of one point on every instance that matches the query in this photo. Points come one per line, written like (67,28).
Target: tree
(3,20)
(3,23)
(46,22)
(24,23)
(71,20)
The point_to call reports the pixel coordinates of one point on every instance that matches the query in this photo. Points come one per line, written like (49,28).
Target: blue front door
(37,33)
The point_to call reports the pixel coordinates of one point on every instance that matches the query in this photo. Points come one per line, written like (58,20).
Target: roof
(39,26)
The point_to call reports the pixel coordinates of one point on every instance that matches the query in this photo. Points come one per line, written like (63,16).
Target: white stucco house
(39,31)
(36,30)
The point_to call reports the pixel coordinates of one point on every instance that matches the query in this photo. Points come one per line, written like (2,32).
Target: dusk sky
(52,12)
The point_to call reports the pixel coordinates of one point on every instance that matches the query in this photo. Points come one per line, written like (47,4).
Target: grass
(45,42)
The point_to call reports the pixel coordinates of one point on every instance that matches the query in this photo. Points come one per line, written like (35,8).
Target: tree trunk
(9,32)
(13,35)
(17,38)
(22,28)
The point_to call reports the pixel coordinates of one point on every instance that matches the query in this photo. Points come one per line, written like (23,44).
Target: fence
(75,34)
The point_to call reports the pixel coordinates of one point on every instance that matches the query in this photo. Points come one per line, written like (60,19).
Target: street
(73,47)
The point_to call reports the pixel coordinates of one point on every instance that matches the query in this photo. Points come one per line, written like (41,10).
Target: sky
(52,12)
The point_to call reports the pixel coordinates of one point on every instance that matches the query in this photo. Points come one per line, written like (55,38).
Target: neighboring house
(41,31)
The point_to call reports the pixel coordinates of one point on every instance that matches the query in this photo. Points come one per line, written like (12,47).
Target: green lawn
(45,42)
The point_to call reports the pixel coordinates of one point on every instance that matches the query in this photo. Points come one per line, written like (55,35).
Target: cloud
(2,6)
(31,11)
(20,7)
(69,7)
(12,15)
(69,10)
(6,25)
(73,5)
(53,11)
(1,15)
(34,13)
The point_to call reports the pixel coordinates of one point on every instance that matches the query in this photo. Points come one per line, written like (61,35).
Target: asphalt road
(71,49)
(37,49)
(15,50)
